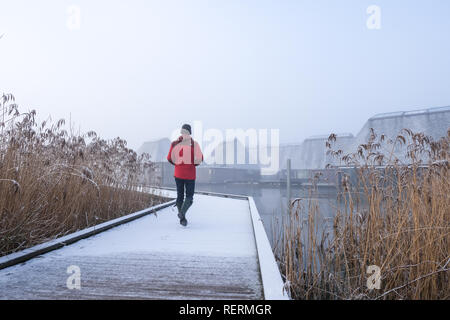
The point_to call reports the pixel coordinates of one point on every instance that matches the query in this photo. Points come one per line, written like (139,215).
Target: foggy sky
(138,69)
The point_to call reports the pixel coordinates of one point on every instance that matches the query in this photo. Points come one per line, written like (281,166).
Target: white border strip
(271,278)
(27,254)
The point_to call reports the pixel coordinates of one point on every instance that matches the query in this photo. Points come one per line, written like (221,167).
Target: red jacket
(185,155)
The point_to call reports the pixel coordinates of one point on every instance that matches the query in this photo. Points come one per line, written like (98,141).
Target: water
(271,202)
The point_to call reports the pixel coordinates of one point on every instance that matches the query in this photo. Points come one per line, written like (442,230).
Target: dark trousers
(182,186)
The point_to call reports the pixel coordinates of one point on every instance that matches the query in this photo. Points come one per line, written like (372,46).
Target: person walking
(185,154)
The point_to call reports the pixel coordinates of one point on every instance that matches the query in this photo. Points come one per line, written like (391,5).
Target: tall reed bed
(53,182)
(392,212)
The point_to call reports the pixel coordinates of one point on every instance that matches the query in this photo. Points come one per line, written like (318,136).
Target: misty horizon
(140,69)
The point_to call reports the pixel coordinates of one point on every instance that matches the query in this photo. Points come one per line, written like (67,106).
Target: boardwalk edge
(27,254)
(273,284)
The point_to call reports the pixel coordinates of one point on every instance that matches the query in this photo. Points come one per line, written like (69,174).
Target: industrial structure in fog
(162,173)
(307,158)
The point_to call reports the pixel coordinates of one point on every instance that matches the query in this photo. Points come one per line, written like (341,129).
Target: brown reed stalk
(53,182)
(393,211)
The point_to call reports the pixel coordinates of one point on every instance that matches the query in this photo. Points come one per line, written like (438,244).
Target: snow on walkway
(153,257)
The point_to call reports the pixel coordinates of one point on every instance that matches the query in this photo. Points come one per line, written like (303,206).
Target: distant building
(433,122)
(157,149)
(312,152)
(307,158)
(215,173)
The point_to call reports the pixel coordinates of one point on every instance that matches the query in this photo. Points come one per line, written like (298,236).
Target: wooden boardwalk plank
(153,257)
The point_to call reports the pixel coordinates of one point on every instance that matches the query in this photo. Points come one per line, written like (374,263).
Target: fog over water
(140,69)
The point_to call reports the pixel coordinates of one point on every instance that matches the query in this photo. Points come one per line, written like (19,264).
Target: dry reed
(392,212)
(54,182)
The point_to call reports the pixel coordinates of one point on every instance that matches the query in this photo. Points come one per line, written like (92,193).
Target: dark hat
(187,127)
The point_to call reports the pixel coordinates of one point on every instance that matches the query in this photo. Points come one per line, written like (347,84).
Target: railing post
(288,185)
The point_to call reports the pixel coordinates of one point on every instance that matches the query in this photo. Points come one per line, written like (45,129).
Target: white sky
(138,69)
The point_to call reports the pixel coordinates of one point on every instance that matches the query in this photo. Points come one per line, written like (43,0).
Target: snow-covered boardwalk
(153,257)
